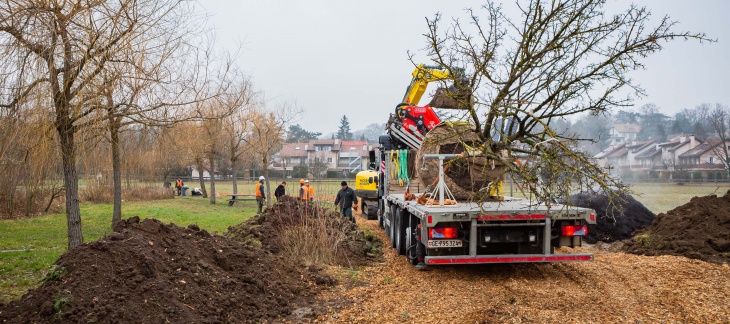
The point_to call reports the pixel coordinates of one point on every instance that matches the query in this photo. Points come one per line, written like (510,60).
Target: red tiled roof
(649,153)
(290,150)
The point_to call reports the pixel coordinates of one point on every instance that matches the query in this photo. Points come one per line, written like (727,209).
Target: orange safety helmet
(301,181)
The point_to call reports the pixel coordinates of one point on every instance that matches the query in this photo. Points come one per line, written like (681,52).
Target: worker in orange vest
(260,194)
(301,189)
(306,193)
(178,185)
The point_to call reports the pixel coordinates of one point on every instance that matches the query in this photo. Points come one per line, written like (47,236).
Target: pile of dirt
(699,229)
(151,272)
(616,220)
(352,246)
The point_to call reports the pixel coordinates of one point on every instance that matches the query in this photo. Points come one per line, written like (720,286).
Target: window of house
(298,148)
(352,148)
(329,160)
(711,160)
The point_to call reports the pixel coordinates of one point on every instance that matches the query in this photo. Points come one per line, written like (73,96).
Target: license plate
(444,243)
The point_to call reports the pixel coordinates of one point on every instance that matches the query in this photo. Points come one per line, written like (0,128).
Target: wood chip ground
(615,288)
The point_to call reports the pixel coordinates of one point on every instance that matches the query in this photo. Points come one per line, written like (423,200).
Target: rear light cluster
(443,233)
(574,230)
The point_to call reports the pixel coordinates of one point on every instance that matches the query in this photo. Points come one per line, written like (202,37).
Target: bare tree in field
(157,93)
(266,136)
(719,118)
(63,51)
(236,126)
(515,75)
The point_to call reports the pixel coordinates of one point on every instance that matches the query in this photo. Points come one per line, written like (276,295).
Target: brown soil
(699,229)
(355,248)
(150,272)
(615,288)
(617,220)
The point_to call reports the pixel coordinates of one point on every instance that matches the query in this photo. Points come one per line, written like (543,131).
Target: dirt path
(616,287)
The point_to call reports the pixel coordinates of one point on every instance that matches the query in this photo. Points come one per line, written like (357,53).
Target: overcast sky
(336,58)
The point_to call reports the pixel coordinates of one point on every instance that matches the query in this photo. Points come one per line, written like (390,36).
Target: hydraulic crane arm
(422,75)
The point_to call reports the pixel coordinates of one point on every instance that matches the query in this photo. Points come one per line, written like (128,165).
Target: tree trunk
(266,175)
(212,178)
(116,170)
(71,182)
(235,181)
(200,178)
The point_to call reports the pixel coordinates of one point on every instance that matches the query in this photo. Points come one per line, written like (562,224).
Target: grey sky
(337,58)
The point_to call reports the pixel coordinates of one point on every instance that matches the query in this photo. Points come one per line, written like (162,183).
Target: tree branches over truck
(505,81)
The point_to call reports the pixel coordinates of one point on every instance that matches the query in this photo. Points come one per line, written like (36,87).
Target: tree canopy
(558,58)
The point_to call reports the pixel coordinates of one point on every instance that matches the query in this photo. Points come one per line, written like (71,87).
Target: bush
(653,174)
(300,171)
(697,176)
(99,193)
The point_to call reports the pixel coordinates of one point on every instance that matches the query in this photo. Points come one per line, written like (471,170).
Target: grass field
(29,246)
(323,189)
(660,198)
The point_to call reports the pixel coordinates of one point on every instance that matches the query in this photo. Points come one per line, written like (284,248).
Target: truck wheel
(364,209)
(391,225)
(411,241)
(400,231)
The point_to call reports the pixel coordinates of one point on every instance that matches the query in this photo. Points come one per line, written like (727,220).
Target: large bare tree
(60,51)
(266,136)
(514,75)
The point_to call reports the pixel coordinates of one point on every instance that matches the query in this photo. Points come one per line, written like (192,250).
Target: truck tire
(372,213)
(401,223)
(411,241)
(364,209)
(391,224)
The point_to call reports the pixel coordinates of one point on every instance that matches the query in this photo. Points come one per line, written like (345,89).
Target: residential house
(353,156)
(650,155)
(705,157)
(336,155)
(623,133)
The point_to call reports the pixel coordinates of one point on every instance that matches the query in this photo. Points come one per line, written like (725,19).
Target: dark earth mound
(354,247)
(699,229)
(617,221)
(150,272)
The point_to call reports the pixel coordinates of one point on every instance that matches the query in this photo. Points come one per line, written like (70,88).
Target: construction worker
(260,193)
(347,198)
(178,185)
(306,193)
(311,192)
(280,191)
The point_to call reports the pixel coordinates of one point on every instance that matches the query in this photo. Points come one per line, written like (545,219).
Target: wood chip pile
(615,288)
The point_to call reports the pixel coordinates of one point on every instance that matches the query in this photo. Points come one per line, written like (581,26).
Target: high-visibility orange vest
(258,189)
(178,183)
(307,191)
(311,192)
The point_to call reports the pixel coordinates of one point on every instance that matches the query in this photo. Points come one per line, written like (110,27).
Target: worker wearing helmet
(306,193)
(260,194)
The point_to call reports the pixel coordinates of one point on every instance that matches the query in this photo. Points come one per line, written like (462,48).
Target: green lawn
(41,240)
(660,198)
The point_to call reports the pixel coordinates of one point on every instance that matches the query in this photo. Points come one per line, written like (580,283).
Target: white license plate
(444,243)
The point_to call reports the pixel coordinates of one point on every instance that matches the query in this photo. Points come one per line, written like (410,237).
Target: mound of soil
(150,272)
(354,247)
(699,229)
(615,221)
